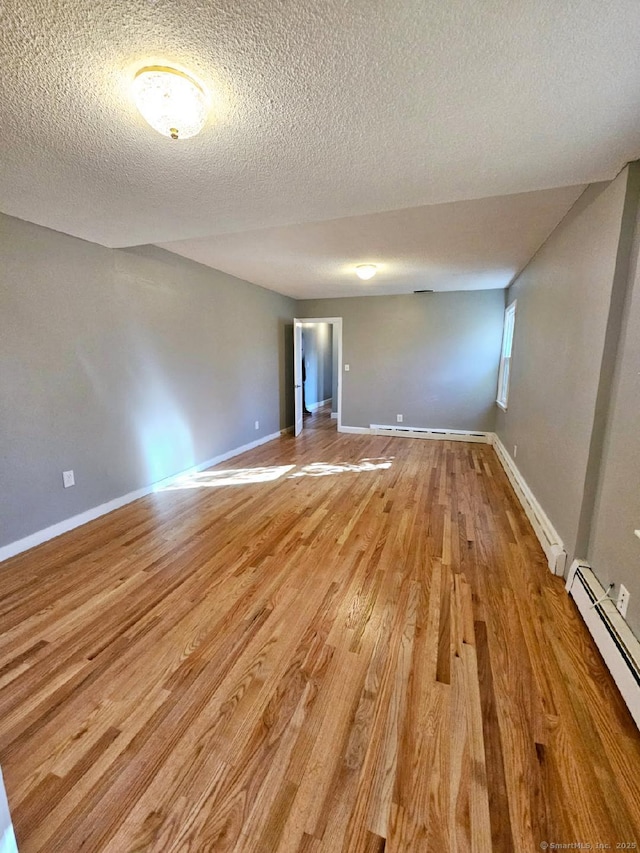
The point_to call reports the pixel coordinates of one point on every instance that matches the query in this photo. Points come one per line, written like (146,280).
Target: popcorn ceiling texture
(322,108)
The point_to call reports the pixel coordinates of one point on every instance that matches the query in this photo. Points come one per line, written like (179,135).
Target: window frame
(506,356)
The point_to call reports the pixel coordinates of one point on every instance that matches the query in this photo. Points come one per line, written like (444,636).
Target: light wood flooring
(365,652)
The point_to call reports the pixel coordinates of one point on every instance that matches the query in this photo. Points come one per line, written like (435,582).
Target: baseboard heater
(424,432)
(613,637)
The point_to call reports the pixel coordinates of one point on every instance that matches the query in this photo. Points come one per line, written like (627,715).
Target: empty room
(319,426)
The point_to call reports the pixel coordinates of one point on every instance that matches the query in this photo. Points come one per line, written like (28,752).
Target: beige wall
(126,366)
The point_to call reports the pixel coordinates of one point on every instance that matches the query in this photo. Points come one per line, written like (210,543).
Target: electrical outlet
(399,418)
(623,601)
(515,450)
(68,479)
(346,368)
(257,424)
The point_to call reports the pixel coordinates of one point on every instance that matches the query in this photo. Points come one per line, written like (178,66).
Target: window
(505,356)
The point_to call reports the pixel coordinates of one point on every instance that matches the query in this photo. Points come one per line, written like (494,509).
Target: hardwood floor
(352,643)
(321,419)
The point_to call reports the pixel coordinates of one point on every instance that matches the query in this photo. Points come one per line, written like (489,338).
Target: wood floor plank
(501,836)
(364,653)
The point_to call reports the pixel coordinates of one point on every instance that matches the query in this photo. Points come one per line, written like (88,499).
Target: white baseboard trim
(428,433)
(40,536)
(613,637)
(313,407)
(354,430)
(547,535)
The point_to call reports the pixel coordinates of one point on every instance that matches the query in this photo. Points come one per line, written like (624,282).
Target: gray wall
(317,339)
(614,551)
(564,297)
(432,357)
(126,366)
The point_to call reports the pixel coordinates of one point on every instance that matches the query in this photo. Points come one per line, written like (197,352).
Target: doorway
(317,356)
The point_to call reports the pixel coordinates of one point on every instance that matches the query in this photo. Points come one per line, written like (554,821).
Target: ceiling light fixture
(366,271)
(170,101)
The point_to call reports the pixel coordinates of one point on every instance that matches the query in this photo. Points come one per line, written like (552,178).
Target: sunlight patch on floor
(267,474)
(325,469)
(229,477)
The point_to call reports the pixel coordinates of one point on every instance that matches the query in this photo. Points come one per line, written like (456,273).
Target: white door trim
(298,414)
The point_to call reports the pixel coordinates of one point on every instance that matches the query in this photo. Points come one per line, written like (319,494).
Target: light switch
(346,368)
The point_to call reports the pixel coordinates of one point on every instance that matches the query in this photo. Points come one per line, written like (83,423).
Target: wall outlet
(68,479)
(515,450)
(257,424)
(399,418)
(346,368)
(623,601)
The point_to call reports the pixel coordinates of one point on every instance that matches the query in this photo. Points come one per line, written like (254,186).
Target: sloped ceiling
(464,245)
(322,109)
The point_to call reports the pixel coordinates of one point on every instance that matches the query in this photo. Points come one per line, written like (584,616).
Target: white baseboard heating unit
(424,432)
(614,639)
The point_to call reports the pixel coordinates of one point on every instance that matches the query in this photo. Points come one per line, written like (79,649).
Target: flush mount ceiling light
(366,271)
(170,101)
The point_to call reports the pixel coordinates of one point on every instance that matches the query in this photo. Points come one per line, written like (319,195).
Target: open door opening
(297,376)
(317,355)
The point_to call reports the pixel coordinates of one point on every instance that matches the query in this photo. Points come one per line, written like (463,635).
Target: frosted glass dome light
(170,101)
(366,271)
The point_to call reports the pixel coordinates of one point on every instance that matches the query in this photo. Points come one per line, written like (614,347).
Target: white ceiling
(464,245)
(323,109)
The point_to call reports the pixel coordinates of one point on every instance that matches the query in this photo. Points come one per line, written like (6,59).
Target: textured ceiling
(322,108)
(465,245)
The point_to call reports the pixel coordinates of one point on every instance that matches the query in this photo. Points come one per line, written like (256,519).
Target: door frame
(298,390)
(336,324)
